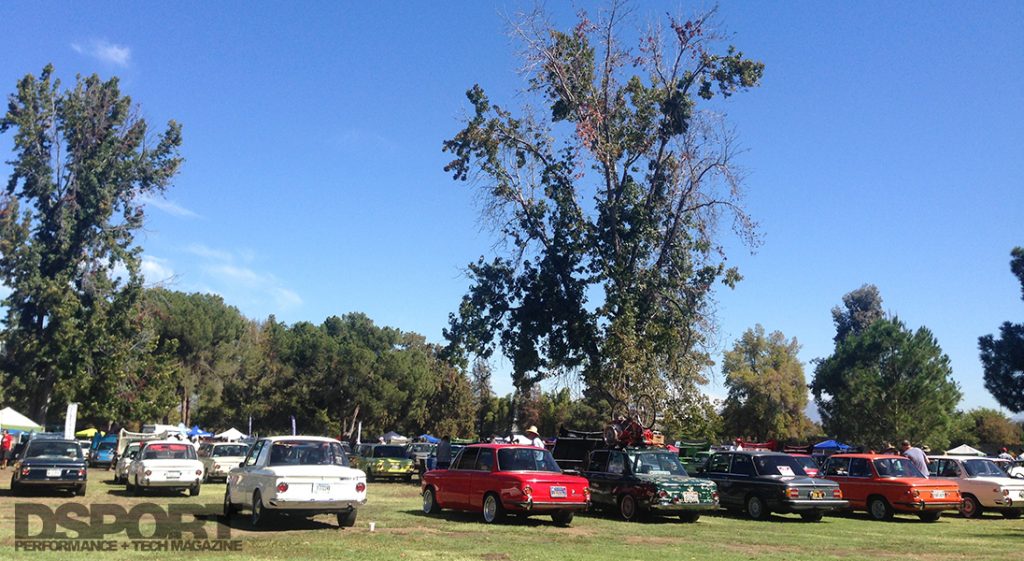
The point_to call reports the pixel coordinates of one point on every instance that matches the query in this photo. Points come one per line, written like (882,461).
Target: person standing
(6,447)
(916,457)
(1005,454)
(534,436)
(444,453)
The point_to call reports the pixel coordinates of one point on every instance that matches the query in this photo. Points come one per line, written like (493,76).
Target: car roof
(61,440)
(868,456)
(301,437)
(501,445)
(148,442)
(753,452)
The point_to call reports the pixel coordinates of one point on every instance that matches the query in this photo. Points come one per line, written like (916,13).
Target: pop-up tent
(430,439)
(87,433)
(964,450)
(830,445)
(196,431)
(11,419)
(231,435)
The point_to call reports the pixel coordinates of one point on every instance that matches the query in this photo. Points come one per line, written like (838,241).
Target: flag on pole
(293,425)
(70,421)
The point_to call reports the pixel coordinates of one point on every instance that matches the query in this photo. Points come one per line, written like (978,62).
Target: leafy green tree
(83,160)
(989,427)
(767,388)
(887,383)
(608,200)
(482,393)
(1003,358)
(862,308)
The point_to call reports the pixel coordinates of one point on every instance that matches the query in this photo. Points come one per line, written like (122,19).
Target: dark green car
(641,481)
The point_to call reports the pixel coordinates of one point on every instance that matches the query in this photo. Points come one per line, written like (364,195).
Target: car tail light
(528,491)
(282,487)
(199,472)
(915,493)
(149,472)
(360,487)
(216,466)
(662,494)
(1006,492)
(25,472)
(793,493)
(837,493)
(586,493)
(714,496)
(81,473)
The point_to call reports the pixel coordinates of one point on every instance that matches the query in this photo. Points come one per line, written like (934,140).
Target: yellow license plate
(817,494)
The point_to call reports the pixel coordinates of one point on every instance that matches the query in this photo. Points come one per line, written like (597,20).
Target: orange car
(882,485)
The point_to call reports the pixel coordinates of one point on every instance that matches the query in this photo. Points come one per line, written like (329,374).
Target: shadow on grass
(276,523)
(511,519)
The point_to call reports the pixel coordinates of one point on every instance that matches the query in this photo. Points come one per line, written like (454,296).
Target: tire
(879,509)
(813,516)
(128,487)
(408,478)
(80,490)
(493,511)
(136,488)
(347,519)
(259,516)
(15,487)
(193,491)
(1012,514)
(756,509)
(689,517)
(430,505)
(628,509)
(229,508)
(970,507)
(562,517)
(930,516)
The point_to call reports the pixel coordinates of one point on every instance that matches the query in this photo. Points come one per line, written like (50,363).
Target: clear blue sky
(885,146)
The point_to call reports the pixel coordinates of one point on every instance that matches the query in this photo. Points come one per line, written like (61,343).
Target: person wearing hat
(534,437)
(1005,454)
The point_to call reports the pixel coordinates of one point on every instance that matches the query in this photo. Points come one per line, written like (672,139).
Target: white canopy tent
(11,419)
(964,450)
(232,434)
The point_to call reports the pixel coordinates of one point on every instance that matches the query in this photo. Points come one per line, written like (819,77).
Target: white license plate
(691,497)
(322,488)
(558,492)
(172,474)
(54,472)
(938,494)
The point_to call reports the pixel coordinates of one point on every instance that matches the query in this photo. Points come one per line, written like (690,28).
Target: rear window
(526,459)
(230,450)
(778,465)
(389,452)
(172,451)
(307,453)
(54,449)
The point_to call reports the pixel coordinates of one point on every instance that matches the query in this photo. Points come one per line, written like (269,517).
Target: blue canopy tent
(429,439)
(830,446)
(196,431)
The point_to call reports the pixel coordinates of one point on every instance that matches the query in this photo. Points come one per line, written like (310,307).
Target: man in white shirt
(534,437)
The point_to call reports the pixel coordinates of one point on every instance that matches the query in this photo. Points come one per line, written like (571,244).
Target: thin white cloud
(168,206)
(156,271)
(256,282)
(229,276)
(105,51)
(200,250)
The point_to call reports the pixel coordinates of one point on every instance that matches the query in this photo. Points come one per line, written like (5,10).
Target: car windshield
(806,463)
(526,459)
(235,450)
(778,465)
(983,468)
(896,467)
(307,453)
(421,448)
(132,450)
(105,445)
(169,451)
(657,463)
(389,452)
(40,449)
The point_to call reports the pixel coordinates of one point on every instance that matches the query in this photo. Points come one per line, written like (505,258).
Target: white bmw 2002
(982,485)
(125,461)
(221,457)
(165,464)
(302,475)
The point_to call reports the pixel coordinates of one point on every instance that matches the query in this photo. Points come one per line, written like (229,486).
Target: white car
(302,475)
(221,457)
(983,485)
(125,461)
(165,464)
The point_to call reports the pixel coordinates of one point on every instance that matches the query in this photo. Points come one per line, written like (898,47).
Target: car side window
(742,465)
(467,460)
(253,454)
(837,467)
(264,453)
(617,463)
(859,467)
(598,461)
(485,461)
(948,468)
(719,463)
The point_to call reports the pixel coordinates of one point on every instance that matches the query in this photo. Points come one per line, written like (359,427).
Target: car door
(858,481)
(244,484)
(743,479)
(482,479)
(459,479)
(838,470)
(718,471)
(600,480)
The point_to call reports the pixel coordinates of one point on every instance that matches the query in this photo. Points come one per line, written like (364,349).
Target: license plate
(54,472)
(691,497)
(173,474)
(938,494)
(817,494)
(558,492)
(323,488)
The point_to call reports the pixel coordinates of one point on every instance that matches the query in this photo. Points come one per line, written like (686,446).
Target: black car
(51,464)
(765,482)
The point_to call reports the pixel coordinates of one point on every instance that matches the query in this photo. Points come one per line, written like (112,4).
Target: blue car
(102,452)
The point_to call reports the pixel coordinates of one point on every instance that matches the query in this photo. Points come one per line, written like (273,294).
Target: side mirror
(241,464)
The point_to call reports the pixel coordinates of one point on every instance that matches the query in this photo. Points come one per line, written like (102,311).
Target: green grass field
(403,532)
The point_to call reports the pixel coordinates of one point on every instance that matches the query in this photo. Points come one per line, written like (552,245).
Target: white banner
(70,421)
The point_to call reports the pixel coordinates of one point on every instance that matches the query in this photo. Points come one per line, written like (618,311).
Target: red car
(883,484)
(495,479)
(809,464)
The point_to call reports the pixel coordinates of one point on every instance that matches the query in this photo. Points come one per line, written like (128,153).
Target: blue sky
(885,146)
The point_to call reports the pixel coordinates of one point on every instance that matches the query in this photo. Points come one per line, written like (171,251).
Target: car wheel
(260,516)
(136,488)
(879,509)
(628,508)
(689,517)
(970,507)
(430,505)
(194,490)
(929,516)
(229,508)
(813,516)
(347,519)
(15,487)
(1012,514)
(756,508)
(493,511)
(80,490)
(562,517)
